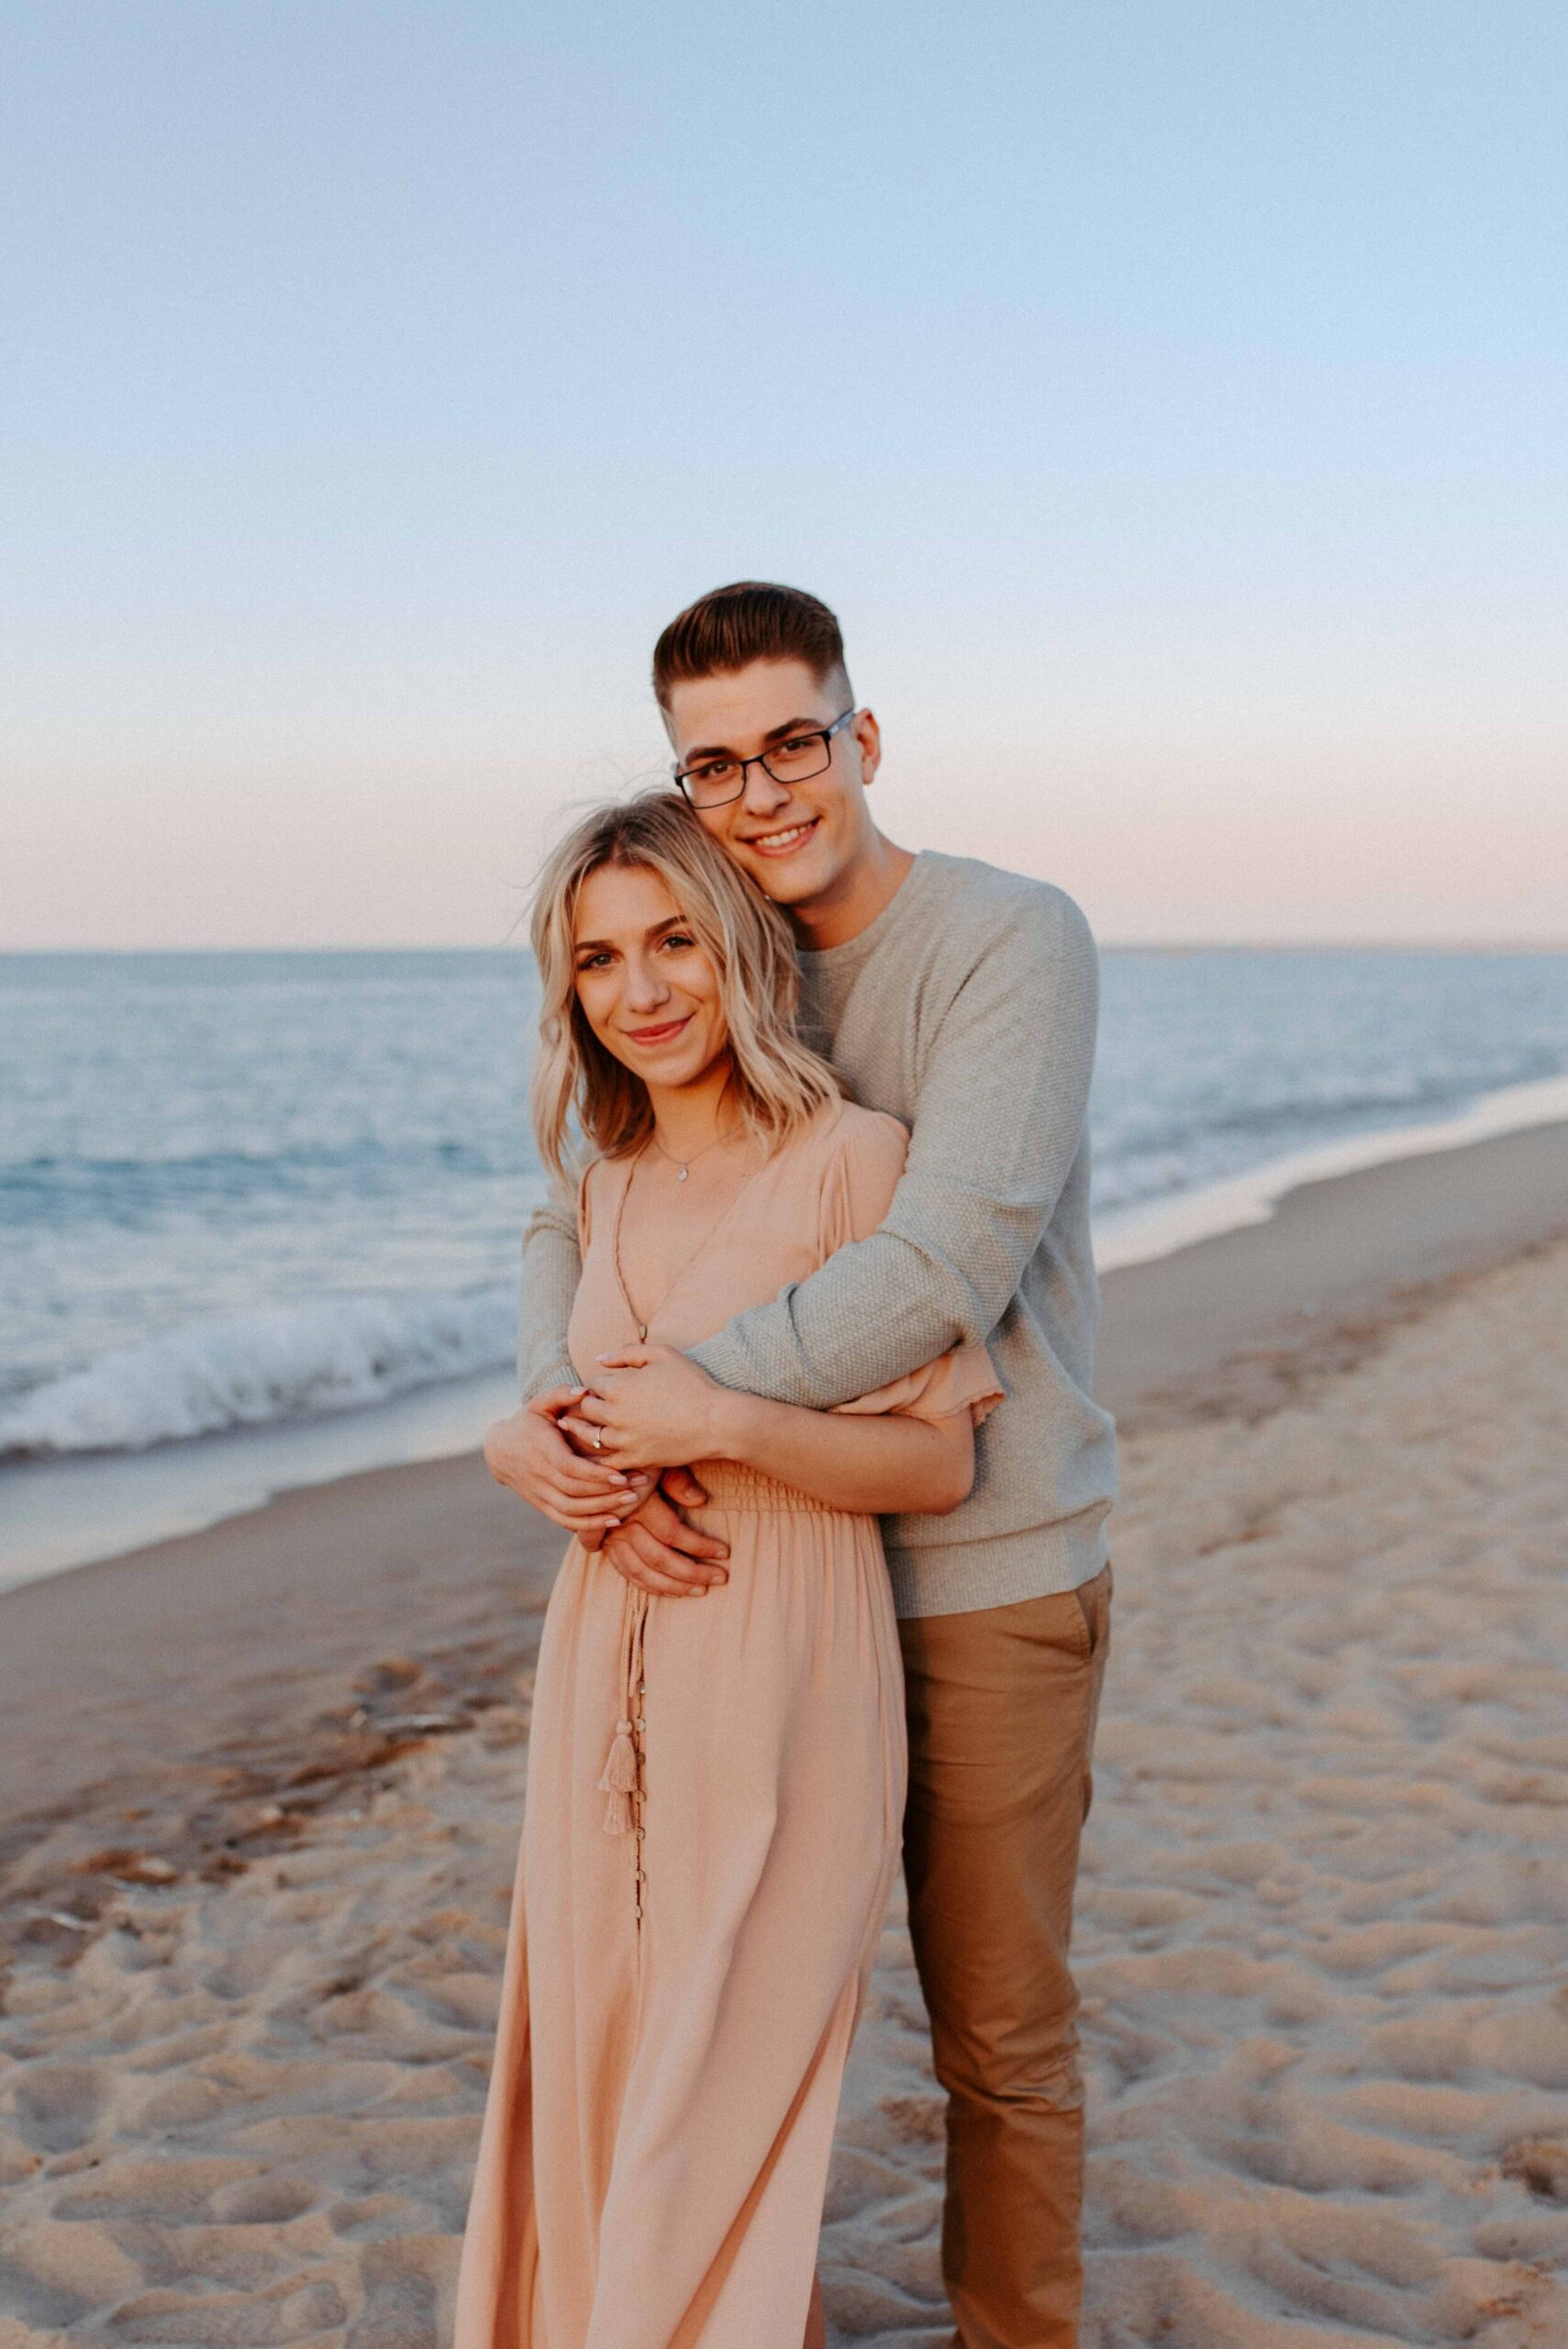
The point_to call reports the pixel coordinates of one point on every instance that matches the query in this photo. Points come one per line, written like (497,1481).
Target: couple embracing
(818,1258)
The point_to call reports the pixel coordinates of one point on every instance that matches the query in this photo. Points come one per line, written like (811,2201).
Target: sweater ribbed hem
(960,1577)
(559,1374)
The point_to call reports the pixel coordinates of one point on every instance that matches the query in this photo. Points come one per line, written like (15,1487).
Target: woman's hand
(649,1404)
(530,1452)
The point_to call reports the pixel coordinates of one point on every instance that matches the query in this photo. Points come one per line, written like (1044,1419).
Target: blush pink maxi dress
(711,1830)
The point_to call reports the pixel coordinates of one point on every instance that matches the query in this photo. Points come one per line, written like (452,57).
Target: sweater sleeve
(998,1121)
(552,1266)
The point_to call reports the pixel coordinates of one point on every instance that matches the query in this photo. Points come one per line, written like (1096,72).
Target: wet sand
(263,1787)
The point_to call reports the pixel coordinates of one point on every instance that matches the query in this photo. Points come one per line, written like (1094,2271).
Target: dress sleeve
(961,1380)
(861,1182)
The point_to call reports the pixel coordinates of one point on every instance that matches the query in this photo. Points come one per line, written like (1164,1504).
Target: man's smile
(779,843)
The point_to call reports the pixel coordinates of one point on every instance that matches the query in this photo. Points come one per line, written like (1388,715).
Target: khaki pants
(1002,1707)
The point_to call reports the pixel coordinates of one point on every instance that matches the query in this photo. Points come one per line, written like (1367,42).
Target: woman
(715,1792)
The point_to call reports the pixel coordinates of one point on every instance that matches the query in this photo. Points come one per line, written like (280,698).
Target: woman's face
(647,990)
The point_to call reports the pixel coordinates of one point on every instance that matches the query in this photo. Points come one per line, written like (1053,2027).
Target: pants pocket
(1093,1602)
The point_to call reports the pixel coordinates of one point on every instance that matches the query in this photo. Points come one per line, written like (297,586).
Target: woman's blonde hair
(778,1082)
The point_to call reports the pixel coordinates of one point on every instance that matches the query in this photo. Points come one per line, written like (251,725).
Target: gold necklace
(683,1167)
(641,1326)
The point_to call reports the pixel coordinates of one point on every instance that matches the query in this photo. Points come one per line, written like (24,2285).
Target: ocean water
(262,1190)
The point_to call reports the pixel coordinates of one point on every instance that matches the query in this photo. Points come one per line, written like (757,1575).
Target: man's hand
(529,1453)
(658,1550)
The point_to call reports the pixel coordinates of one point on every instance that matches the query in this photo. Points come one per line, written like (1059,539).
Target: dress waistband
(729,1486)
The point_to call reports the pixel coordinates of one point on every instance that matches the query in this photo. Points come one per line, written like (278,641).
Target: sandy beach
(263,1787)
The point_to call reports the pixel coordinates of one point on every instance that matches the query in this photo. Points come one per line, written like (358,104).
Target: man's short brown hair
(748,620)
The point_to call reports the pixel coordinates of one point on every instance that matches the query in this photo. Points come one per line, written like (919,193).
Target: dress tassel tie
(619,1780)
(622,1779)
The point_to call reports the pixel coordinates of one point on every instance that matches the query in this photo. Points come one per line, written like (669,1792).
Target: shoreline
(1232,1321)
(64,1509)
(1145,1233)
(169,1651)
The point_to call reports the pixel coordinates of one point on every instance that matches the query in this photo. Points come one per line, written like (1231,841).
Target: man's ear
(868,734)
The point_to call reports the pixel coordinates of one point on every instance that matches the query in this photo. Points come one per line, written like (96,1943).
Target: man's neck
(856,897)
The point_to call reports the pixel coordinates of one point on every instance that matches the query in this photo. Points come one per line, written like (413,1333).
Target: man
(963,999)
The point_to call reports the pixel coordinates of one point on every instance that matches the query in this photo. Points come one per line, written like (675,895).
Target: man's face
(798,842)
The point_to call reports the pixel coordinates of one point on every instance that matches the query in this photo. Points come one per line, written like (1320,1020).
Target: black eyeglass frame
(760,759)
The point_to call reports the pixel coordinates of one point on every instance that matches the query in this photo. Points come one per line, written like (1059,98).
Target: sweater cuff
(556,1373)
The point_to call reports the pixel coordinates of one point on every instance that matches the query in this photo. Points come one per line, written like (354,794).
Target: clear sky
(1169,397)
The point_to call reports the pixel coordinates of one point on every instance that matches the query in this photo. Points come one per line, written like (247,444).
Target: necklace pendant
(642,1330)
(680,1173)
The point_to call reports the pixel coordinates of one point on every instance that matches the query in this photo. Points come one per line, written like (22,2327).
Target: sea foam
(275,1363)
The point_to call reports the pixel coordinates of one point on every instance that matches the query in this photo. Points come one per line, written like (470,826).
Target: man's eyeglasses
(714,782)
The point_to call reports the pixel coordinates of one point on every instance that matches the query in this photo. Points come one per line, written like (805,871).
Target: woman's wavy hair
(779,1083)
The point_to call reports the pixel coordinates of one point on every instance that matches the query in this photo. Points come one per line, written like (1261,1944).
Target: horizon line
(1370,943)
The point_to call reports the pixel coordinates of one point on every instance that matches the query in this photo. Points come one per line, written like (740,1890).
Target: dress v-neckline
(642,1324)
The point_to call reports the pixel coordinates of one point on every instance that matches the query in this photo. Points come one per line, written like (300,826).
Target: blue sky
(1170,398)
